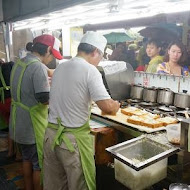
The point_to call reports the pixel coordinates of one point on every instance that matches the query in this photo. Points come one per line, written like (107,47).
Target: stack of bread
(142,117)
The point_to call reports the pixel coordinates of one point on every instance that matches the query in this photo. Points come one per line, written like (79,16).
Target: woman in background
(153,49)
(174,60)
(119,53)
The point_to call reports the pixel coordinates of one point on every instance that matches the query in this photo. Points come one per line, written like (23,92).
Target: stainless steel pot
(136,92)
(150,94)
(182,100)
(165,96)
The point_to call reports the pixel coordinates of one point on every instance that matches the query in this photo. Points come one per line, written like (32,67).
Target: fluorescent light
(44,26)
(29,26)
(96,12)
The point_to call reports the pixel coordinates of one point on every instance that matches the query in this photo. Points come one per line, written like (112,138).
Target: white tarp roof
(99,11)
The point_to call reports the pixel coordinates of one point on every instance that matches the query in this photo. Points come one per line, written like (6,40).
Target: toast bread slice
(168,120)
(129,110)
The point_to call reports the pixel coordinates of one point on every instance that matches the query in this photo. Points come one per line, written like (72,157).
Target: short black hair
(156,42)
(87,48)
(37,47)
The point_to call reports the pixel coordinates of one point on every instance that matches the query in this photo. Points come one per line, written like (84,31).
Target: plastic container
(139,180)
(140,162)
(179,186)
(173,133)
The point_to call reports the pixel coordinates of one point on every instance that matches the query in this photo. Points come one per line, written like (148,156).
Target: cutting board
(122,118)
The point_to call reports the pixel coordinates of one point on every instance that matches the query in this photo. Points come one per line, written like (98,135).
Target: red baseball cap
(51,41)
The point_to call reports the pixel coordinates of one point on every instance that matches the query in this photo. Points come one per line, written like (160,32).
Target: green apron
(85,144)
(3,124)
(38,112)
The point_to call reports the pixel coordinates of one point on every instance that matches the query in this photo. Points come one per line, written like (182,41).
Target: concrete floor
(12,170)
(105,175)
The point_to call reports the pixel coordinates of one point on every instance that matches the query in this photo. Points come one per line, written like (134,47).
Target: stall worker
(68,146)
(29,111)
(174,60)
(153,49)
(28,48)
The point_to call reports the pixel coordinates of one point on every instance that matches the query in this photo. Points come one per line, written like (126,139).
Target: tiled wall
(175,83)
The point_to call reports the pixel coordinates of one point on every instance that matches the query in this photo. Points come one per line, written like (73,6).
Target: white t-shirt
(75,84)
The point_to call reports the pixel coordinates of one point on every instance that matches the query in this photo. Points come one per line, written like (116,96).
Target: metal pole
(5,41)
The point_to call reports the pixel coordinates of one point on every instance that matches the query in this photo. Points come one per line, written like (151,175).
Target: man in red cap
(30,96)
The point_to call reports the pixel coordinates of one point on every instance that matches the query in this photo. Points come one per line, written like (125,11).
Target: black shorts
(29,153)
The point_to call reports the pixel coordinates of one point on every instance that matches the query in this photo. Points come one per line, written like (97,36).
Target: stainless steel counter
(160,137)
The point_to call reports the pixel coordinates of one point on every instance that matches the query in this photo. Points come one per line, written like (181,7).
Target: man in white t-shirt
(68,148)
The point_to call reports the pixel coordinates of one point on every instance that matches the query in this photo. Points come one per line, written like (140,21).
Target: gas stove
(156,108)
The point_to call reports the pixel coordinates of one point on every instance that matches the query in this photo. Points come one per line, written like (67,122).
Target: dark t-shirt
(6,71)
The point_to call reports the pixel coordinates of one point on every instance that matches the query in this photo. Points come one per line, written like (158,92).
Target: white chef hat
(95,39)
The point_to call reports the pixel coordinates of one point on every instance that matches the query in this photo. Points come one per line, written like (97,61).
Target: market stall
(166,116)
(120,85)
